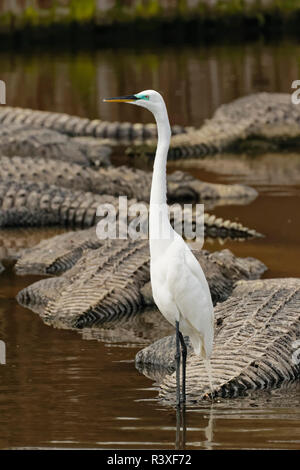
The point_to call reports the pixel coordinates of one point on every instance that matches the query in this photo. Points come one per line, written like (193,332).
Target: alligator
(27,203)
(139,329)
(257,332)
(104,284)
(22,140)
(135,331)
(58,254)
(260,121)
(78,126)
(130,182)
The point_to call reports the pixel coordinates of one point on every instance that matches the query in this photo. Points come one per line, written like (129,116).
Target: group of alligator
(55,170)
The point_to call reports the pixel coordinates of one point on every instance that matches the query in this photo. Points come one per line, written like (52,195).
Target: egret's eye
(143,97)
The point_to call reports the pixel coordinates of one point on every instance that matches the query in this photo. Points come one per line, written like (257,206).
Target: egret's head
(149,99)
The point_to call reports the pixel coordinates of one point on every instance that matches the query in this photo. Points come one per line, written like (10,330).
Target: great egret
(180,289)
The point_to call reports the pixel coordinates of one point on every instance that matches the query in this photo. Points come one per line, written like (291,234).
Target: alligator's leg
(183,353)
(177,362)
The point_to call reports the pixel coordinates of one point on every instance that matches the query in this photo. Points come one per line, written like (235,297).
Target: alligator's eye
(146,97)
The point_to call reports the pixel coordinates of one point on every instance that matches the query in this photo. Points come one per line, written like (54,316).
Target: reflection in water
(193,80)
(276,169)
(138,330)
(180,427)
(209,430)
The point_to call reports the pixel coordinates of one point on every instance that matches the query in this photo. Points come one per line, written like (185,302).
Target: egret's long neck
(159,178)
(159,221)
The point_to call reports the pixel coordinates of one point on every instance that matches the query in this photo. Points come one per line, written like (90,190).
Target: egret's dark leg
(177,362)
(184,354)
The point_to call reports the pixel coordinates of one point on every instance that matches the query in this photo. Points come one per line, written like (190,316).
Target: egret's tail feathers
(204,353)
(201,348)
(197,343)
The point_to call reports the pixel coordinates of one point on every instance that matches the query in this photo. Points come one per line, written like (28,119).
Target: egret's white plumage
(181,292)
(180,289)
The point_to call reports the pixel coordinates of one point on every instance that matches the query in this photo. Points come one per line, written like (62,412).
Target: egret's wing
(189,289)
(196,269)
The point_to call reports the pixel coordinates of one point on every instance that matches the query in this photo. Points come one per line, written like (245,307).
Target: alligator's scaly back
(105,283)
(105,286)
(268,117)
(19,139)
(57,254)
(116,181)
(27,203)
(60,253)
(77,126)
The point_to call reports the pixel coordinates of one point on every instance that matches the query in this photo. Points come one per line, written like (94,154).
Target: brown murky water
(60,390)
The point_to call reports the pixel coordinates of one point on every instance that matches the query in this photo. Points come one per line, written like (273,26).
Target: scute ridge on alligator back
(78,126)
(27,203)
(23,140)
(116,181)
(104,283)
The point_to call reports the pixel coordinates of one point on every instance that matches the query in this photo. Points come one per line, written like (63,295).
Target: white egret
(180,289)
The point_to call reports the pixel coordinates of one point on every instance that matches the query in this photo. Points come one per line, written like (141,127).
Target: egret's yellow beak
(121,99)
